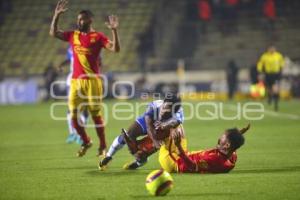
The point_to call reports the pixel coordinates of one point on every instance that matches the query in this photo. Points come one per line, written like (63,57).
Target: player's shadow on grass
(212,194)
(267,170)
(70,168)
(116,172)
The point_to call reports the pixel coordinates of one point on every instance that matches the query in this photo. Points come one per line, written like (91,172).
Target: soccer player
(270,64)
(159,118)
(86,85)
(73,136)
(220,159)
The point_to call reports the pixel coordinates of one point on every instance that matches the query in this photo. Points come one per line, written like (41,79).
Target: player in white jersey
(160,115)
(73,136)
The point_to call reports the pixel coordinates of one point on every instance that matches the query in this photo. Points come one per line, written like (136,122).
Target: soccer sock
(99,124)
(117,144)
(84,116)
(270,98)
(70,126)
(276,99)
(80,130)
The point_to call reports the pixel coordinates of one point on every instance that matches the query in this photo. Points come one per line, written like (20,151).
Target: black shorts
(271,79)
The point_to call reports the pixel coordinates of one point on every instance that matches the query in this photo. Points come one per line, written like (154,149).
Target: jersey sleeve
(179,116)
(150,110)
(103,39)
(67,35)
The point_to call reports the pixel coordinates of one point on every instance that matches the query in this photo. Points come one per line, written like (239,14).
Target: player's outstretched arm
(113,23)
(151,132)
(60,8)
(171,123)
(191,164)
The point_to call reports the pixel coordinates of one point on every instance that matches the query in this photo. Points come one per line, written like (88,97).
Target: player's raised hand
(113,22)
(61,7)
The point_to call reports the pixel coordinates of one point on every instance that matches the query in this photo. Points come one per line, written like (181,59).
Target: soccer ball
(159,182)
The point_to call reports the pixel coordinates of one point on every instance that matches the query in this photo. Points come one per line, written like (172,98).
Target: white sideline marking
(271,113)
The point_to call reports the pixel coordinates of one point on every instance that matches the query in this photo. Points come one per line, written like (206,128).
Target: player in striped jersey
(86,85)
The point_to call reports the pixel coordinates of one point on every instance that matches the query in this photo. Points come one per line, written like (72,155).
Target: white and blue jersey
(153,112)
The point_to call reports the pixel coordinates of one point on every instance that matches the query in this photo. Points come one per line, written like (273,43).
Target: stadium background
(165,44)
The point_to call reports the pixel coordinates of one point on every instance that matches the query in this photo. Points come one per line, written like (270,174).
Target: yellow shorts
(85,93)
(165,160)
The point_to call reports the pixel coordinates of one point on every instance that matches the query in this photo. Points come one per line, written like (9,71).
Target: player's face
(83,22)
(272,49)
(223,143)
(165,111)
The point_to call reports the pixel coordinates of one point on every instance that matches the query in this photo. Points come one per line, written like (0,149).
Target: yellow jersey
(270,63)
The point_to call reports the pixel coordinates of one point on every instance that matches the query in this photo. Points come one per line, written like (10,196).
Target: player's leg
(94,91)
(269,83)
(275,90)
(145,148)
(84,116)
(166,160)
(134,131)
(75,103)
(168,154)
(72,132)
(84,119)
(132,143)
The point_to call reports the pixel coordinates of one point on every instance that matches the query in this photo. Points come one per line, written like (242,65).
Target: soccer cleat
(84,148)
(133,165)
(104,162)
(71,138)
(79,140)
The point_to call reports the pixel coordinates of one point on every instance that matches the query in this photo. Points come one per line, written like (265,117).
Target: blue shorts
(142,122)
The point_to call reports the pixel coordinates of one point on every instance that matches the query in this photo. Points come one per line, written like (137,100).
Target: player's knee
(121,139)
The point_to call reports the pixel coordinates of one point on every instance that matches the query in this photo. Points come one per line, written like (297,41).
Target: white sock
(84,117)
(70,126)
(117,144)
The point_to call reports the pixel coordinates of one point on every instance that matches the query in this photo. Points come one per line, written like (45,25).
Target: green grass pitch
(36,163)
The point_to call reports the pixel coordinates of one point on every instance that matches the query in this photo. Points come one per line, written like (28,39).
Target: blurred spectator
(6,6)
(142,86)
(145,47)
(110,77)
(253,74)
(229,15)
(295,88)
(2,74)
(269,12)
(50,75)
(204,13)
(231,76)
(123,4)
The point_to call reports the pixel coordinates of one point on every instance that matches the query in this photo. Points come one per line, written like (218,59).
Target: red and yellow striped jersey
(208,161)
(86,48)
